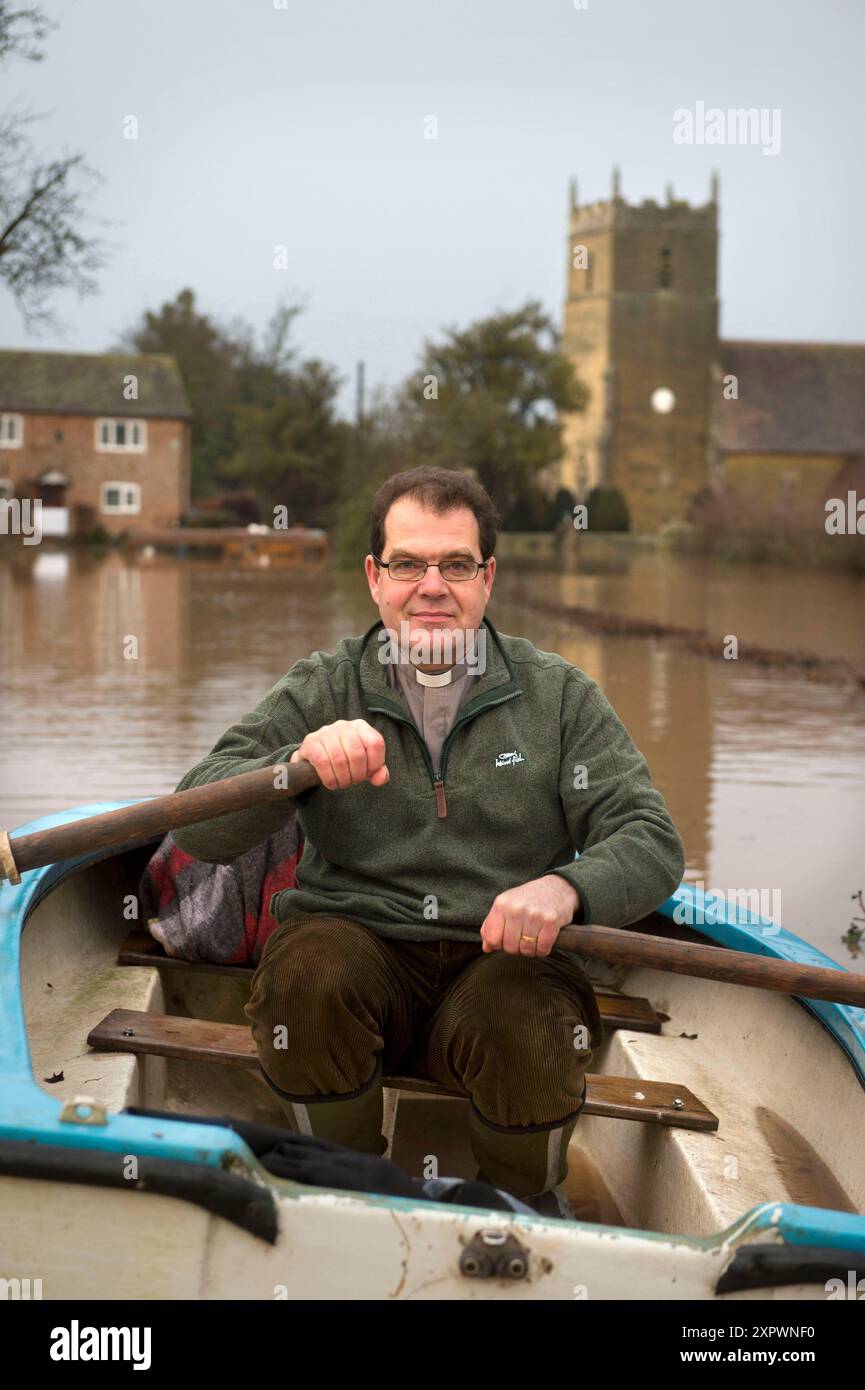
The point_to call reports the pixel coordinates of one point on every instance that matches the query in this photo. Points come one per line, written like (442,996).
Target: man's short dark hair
(440,490)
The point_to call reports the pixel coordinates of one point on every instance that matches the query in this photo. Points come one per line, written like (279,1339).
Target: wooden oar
(148,819)
(714,963)
(114,829)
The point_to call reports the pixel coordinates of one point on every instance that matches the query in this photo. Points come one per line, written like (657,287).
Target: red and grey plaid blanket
(218,912)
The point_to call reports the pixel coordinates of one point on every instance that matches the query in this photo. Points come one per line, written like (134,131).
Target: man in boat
(460,771)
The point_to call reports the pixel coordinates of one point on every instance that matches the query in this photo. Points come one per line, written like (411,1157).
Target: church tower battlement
(641,327)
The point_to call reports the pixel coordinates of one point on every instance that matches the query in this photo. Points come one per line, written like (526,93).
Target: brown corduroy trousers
(332,1003)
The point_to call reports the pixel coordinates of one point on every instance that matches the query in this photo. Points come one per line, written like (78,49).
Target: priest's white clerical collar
(427,678)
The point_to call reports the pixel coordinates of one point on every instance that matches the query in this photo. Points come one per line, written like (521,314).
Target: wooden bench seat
(140,948)
(231,1044)
(616,1010)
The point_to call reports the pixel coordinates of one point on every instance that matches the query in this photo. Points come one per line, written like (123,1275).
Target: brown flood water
(763,771)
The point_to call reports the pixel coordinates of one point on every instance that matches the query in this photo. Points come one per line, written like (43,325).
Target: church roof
(793,398)
(92,383)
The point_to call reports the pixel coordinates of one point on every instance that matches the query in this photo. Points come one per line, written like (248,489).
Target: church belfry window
(665,268)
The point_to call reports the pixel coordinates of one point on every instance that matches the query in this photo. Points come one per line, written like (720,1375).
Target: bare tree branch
(42,204)
(22,31)
(42,209)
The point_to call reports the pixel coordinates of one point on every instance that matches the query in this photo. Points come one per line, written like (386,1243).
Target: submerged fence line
(829,670)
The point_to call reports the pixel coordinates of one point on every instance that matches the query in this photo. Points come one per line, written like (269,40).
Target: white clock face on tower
(662,400)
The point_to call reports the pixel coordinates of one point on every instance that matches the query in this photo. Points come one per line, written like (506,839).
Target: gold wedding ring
(528,938)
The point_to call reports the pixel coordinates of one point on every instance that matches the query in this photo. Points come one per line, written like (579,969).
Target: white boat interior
(789,1104)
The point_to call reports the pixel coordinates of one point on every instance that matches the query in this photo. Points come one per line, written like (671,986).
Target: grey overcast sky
(301,123)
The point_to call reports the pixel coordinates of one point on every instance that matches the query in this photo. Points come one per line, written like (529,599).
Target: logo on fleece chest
(509,759)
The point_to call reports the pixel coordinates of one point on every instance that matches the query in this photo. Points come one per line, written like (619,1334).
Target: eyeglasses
(452,571)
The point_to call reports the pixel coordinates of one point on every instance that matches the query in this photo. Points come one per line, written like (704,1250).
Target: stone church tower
(641,327)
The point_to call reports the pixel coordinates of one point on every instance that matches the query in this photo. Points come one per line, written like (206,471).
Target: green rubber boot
(525,1162)
(355,1120)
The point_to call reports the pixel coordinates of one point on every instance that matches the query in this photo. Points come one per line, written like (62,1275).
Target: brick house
(101,439)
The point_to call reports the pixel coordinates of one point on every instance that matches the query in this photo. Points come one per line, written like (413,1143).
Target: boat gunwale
(743,931)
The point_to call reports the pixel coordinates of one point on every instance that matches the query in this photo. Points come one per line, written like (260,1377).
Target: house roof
(793,398)
(90,383)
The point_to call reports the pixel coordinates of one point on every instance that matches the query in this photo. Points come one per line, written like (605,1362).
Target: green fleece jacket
(537,766)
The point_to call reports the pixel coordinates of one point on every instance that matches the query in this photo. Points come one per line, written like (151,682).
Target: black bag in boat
(315,1162)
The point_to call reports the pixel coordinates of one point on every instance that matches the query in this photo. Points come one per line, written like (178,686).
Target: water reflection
(769,606)
(118,674)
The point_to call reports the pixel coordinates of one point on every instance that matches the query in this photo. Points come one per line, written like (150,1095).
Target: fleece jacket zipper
(437,778)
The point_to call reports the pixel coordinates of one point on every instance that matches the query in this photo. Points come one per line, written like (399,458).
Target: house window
(11,431)
(121,436)
(7,489)
(665,268)
(121,498)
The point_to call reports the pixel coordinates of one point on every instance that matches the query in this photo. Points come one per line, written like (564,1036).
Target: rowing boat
(719,1154)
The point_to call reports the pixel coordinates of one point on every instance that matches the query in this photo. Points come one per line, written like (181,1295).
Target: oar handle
(715,963)
(147,819)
